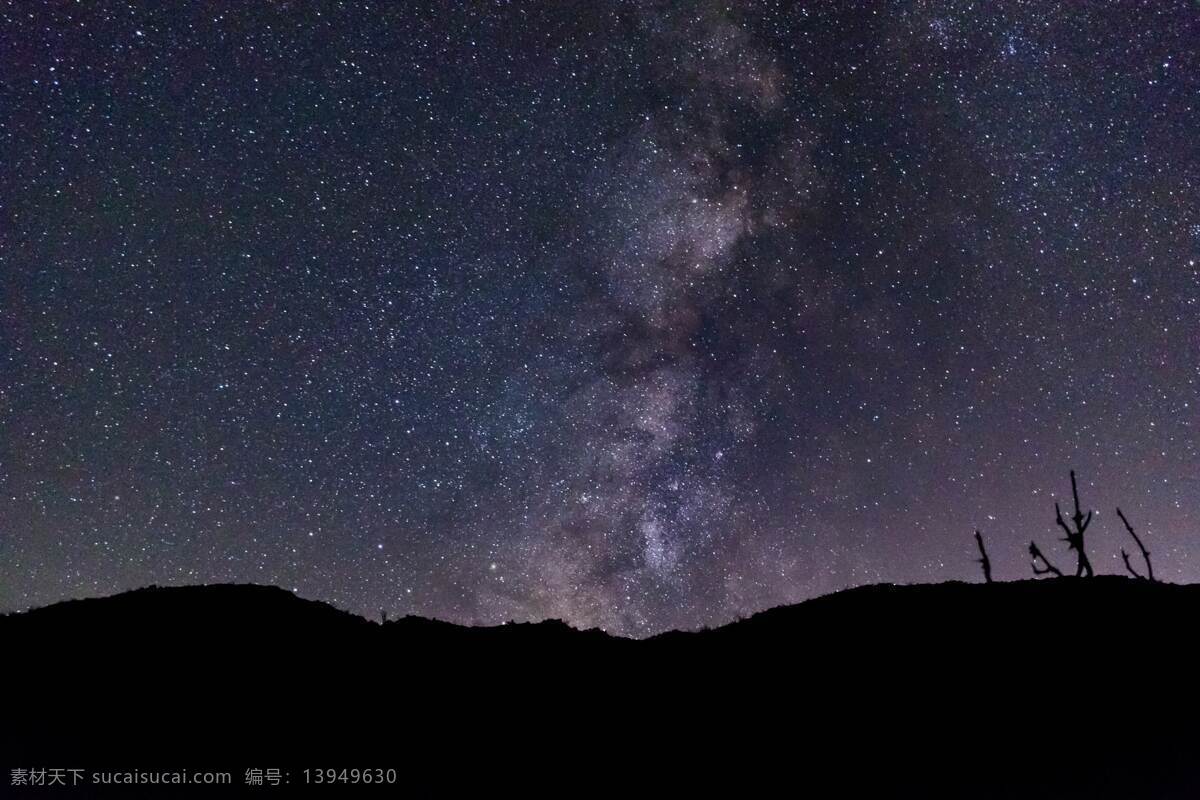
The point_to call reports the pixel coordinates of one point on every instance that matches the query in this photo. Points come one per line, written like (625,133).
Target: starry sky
(642,315)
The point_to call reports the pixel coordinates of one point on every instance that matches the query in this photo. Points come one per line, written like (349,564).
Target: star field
(637,314)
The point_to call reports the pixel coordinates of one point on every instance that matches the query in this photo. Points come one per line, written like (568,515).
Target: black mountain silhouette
(1062,687)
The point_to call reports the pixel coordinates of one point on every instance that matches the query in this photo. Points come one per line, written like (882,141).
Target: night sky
(640,315)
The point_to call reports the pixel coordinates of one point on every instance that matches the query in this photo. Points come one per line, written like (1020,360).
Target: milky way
(640,315)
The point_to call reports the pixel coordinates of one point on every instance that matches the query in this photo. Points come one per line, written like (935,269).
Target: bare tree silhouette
(1074,527)
(983,559)
(1145,553)
(1036,554)
(1074,538)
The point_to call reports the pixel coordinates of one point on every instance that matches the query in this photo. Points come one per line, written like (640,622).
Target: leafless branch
(983,559)
(1128,566)
(1142,547)
(1074,538)
(1036,555)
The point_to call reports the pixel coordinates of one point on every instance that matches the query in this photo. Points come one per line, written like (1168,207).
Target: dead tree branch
(1074,538)
(1128,566)
(1036,555)
(983,559)
(1145,553)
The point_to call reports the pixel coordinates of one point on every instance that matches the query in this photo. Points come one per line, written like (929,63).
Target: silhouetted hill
(1020,680)
(1108,619)
(178,612)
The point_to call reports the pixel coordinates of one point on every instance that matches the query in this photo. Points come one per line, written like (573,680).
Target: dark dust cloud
(637,314)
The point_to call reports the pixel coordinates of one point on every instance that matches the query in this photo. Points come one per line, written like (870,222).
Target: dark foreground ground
(1056,688)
